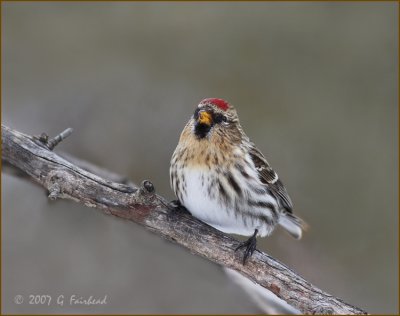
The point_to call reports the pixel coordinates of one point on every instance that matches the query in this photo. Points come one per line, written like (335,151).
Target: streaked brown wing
(270,178)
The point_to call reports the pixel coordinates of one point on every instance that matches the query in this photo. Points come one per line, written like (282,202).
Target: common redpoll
(221,177)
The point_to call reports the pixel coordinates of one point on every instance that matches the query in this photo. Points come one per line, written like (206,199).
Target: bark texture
(68,177)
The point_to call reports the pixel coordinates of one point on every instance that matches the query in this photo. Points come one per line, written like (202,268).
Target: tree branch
(63,179)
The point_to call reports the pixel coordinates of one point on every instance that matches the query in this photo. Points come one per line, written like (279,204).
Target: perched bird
(221,178)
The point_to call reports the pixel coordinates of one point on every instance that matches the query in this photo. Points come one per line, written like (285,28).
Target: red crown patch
(222,104)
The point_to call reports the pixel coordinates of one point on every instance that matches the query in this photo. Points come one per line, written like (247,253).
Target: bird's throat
(201,130)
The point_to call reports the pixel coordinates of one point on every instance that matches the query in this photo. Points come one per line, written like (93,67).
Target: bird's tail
(293,224)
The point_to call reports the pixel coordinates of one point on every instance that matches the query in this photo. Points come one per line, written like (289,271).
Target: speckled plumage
(220,176)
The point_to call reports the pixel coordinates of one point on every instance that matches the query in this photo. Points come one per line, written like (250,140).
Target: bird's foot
(249,245)
(178,207)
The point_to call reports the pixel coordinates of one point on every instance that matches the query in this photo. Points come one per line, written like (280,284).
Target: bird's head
(214,116)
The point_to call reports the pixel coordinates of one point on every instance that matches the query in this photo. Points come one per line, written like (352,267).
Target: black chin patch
(201,130)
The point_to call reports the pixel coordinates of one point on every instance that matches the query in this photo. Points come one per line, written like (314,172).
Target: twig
(53,142)
(141,205)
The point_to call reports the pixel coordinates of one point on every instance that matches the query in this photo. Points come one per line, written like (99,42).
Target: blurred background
(315,85)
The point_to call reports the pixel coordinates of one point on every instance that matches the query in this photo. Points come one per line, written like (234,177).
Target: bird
(220,177)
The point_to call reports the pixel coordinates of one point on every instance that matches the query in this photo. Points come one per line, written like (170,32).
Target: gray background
(315,85)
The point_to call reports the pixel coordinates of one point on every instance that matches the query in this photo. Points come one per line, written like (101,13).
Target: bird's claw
(249,245)
(178,207)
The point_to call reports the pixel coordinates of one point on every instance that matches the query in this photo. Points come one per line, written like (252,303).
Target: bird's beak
(205,118)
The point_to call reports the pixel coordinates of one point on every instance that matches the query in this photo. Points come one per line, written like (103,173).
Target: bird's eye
(196,114)
(219,118)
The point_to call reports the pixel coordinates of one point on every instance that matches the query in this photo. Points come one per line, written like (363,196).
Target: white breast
(200,198)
